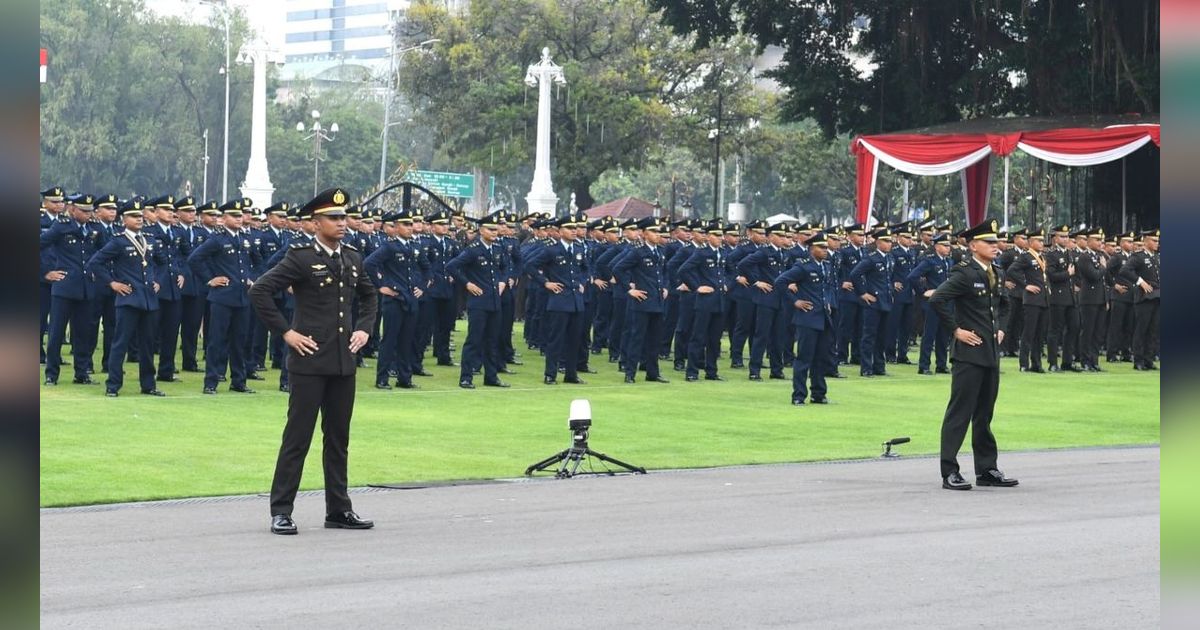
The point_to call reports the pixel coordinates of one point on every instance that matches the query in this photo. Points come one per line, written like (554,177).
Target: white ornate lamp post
(317,136)
(541,197)
(257,184)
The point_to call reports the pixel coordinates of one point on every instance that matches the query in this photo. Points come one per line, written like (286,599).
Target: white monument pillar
(541,197)
(257,184)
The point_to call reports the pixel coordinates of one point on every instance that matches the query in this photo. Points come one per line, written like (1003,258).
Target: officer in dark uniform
(479,268)
(1063,329)
(127,265)
(72,240)
(442,250)
(1120,315)
(1142,271)
(705,273)
(52,206)
(398,272)
(1014,293)
(561,268)
(851,306)
(194,294)
(268,240)
(873,282)
(1028,272)
(760,269)
(325,276)
(904,258)
(926,277)
(640,273)
(970,304)
(742,295)
(1091,271)
(171,278)
(619,322)
(610,233)
(225,262)
(808,291)
(104,310)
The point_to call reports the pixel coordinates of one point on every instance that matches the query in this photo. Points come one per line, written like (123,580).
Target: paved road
(866,544)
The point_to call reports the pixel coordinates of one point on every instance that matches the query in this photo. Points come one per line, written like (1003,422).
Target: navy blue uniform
(706,267)
(928,275)
(770,326)
(441,292)
(678,322)
(563,263)
(131,257)
(873,275)
(192,298)
(900,322)
(743,306)
(814,325)
(229,255)
(71,245)
(642,268)
(620,300)
(603,297)
(850,304)
(396,265)
(483,266)
(170,296)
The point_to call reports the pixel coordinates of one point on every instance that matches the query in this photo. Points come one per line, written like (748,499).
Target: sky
(267,16)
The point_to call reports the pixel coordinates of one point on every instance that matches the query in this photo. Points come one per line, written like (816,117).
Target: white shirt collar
(328,252)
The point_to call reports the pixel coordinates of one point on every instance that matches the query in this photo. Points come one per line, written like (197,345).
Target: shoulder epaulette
(963,263)
(299,245)
(350,247)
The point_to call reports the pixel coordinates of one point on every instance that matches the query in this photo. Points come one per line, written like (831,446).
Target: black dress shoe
(285,388)
(382,386)
(274,365)
(505,370)
(466,384)
(111,393)
(408,385)
(549,380)
(799,402)
(51,382)
(755,377)
(84,381)
(496,383)
(170,379)
(996,478)
(192,369)
(714,378)
(925,372)
(629,379)
(515,362)
(1054,368)
(447,364)
(819,400)
(955,482)
(613,359)
(222,378)
(254,376)
(210,390)
(587,370)
(241,390)
(691,378)
(866,374)
(153,392)
(882,373)
(283,525)
(1037,370)
(657,379)
(942,370)
(347,520)
(904,362)
(835,375)
(575,381)
(737,365)
(778,377)
(1094,368)
(422,373)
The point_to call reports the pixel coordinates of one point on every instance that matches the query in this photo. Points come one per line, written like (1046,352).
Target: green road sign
(445,184)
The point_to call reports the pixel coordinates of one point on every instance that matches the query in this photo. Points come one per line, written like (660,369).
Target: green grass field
(101,450)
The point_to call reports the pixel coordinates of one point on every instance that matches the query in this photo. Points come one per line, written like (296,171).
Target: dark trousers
(850,332)
(743,329)
(770,333)
(585,335)
(258,344)
(1145,332)
(482,347)
(77,313)
(1016,321)
(226,347)
(426,313)
(934,338)
(333,396)
(642,343)
(1089,319)
(443,325)
(562,343)
(899,325)
(104,312)
(92,326)
(604,303)
(131,322)
(705,344)
(277,345)
(508,310)
(973,390)
(616,329)
(1062,337)
(190,316)
(812,360)
(396,348)
(871,354)
(43,317)
(169,312)
(671,325)
(682,327)
(834,330)
(1033,336)
(1120,329)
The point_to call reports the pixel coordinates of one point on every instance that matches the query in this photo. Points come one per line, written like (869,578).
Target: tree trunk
(583,196)
(480,200)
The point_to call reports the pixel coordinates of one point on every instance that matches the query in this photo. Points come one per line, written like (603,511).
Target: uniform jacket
(484,267)
(873,274)
(400,266)
(706,267)
(554,263)
(441,285)
(1090,269)
(172,256)
(812,284)
(120,261)
(642,268)
(1113,277)
(929,273)
(230,255)
(965,300)
(1026,271)
(903,261)
(848,258)
(763,265)
(70,246)
(1062,290)
(1143,265)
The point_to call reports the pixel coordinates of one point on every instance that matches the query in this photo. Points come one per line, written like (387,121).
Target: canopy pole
(1006,192)
(1124,198)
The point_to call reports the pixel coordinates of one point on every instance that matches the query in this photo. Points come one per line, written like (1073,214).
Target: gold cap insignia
(339,197)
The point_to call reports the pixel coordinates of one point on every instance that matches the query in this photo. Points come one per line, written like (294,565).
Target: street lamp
(387,99)
(317,135)
(223,5)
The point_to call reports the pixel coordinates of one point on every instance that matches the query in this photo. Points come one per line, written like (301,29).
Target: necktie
(991,277)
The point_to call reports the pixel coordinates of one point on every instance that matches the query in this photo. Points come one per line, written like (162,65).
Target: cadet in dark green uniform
(969,304)
(325,277)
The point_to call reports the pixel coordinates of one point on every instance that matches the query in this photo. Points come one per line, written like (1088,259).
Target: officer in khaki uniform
(970,304)
(326,276)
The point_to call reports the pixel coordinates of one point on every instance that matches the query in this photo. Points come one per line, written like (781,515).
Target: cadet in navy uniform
(268,240)
(132,259)
(479,267)
(704,273)
(872,278)
(970,303)
(72,239)
(640,274)
(900,322)
(618,320)
(562,270)
(442,250)
(325,276)
(610,231)
(927,276)
(850,304)
(1028,272)
(808,292)
(1142,272)
(52,207)
(224,263)
(742,295)
(171,279)
(194,294)
(1120,314)
(398,273)
(760,269)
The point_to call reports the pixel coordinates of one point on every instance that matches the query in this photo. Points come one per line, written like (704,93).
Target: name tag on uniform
(980,285)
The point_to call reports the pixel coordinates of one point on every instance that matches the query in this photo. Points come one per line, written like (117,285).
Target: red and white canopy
(969,154)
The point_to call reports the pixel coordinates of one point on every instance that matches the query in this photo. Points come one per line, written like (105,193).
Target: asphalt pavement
(824,545)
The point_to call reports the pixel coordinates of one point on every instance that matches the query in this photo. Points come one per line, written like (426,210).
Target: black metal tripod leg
(546,463)
(605,458)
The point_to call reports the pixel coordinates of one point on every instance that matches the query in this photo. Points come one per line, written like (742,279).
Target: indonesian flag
(43,66)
